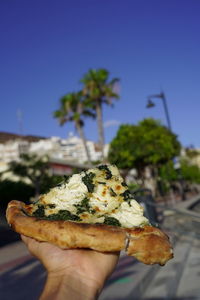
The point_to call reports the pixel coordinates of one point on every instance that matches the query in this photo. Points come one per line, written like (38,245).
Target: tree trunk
(37,188)
(82,136)
(149,180)
(100,127)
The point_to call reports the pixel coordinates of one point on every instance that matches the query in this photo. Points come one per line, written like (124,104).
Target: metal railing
(180,219)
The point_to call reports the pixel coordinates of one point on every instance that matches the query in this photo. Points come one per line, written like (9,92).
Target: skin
(71,273)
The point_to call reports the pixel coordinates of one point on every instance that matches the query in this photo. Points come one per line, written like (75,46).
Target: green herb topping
(64,181)
(111,221)
(88,181)
(107,171)
(112,193)
(51,205)
(127,196)
(61,215)
(83,206)
(39,212)
(64,215)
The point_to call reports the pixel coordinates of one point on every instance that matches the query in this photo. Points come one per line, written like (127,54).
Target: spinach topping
(100,182)
(61,215)
(111,221)
(107,171)
(64,215)
(112,193)
(88,181)
(124,184)
(83,206)
(51,205)
(39,212)
(127,196)
(64,181)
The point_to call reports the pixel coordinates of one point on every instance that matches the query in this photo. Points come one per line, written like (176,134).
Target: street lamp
(151,104)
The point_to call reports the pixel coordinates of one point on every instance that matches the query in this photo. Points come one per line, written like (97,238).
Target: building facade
(69,149)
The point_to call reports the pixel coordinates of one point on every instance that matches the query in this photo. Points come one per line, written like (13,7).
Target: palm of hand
(94,265)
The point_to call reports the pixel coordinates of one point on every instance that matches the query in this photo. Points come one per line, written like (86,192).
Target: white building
(70,149)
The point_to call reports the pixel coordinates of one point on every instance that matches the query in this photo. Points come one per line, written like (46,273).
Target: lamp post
(151,104)
(161,96)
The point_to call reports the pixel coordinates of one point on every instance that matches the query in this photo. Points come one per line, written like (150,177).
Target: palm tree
(73,109)
(99,90)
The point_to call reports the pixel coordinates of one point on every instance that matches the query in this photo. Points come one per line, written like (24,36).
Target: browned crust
(148,244)
(65,234)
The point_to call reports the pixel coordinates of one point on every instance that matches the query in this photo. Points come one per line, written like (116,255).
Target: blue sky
(47,46)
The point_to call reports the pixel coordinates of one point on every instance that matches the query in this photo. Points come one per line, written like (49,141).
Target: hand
(82,271)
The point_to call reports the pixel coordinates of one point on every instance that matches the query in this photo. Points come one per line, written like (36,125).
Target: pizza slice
(93,209)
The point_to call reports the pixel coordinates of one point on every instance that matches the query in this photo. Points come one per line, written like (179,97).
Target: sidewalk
(22,276)
(178,279)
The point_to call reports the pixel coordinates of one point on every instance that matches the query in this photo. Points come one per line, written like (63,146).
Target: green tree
(98,90)
(74,109)
(190,172)
(17,190)
(35,168)
(147,144)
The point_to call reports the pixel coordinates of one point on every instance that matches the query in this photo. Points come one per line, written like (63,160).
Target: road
(22,276)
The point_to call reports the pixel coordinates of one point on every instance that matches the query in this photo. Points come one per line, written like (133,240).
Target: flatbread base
(148,244)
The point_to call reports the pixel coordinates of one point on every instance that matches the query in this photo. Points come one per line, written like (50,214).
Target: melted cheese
(66,196)
(130,215)
(106,199)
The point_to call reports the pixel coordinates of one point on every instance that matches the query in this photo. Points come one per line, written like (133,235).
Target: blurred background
(86,82)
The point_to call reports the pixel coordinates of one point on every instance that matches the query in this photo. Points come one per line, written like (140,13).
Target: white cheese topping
(106,199)
(102,200)
(130,216)
(66,196)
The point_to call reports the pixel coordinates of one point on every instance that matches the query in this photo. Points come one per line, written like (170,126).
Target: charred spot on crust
(60,226)
(83,225)
(137,230)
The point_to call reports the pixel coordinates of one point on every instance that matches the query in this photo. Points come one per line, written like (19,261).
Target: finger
(25,239)
(31,244)
(28,241)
